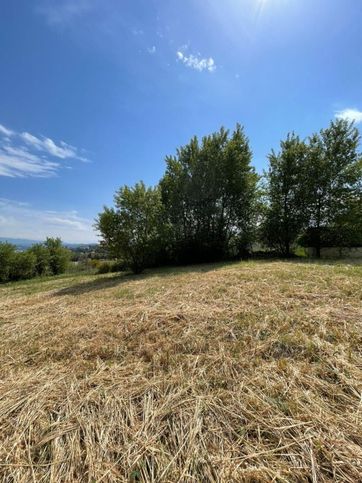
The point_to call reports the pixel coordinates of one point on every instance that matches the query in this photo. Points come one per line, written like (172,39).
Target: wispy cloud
(26,155)
(352,115)
(47,145)
(151,50)
(21,220)
(62,12)
(196,61)
(20,163)
(137,32)
(4,130)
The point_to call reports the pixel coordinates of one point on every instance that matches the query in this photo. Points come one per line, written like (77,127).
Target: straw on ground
(237,372)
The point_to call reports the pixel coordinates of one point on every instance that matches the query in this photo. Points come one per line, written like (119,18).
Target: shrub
(59,256)
(7,254)
(42,258)
(23,266)
(95,263)
(119,266)
(104,267)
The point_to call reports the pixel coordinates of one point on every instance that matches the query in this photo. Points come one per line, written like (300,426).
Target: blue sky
(95,93)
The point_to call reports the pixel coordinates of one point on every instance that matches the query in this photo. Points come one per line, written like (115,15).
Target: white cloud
(62,151)
(26,155)
(20,220)
(196,61)
(352,115)
(20,163)
(4,130)
(62,12)
(151,50)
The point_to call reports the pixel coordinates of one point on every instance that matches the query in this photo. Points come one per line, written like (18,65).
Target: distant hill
(24,243)
(21,243)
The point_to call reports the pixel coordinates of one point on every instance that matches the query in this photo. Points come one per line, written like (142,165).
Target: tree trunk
(318,244)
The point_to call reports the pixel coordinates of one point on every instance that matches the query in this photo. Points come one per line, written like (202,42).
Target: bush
(22,266)
(111,267)
(59,256)
(42,259)
(7,254)
(104,267)
(118,267)
(95,264)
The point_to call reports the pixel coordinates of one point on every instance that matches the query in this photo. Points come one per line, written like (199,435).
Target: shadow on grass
(93,285)
(104,282)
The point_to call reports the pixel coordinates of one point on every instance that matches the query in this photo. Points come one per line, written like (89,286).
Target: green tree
(332,184)
(133,230)
(7,255)
(59,256)
(284,190)
(209,193)
(348,225)
(240,197)
(42,258)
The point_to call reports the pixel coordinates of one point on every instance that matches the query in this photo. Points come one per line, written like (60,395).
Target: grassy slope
(237,372)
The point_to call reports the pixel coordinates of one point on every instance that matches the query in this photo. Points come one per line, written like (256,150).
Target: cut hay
(218,373)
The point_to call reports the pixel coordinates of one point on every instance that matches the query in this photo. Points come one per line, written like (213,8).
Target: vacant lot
(237,372)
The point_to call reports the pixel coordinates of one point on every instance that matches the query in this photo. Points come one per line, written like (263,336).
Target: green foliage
(300,252)
(204,208)
(209,194)
(110,267)
(22,266)
(285,214)
(349,224)
(59,256)
(7,255)
(133,231)
(42,258)
(332,186)
(209,204)
(118,266)
(313,191)
(104,267)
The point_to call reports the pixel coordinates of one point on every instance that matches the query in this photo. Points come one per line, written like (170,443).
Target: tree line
(48,258)
(212,205)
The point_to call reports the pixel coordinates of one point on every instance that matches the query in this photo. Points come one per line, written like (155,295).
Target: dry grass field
(216,373)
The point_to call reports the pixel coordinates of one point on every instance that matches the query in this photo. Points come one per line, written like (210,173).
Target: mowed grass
(224,373)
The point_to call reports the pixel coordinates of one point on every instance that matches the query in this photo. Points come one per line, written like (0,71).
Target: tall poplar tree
(209,193)
(284,214)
